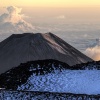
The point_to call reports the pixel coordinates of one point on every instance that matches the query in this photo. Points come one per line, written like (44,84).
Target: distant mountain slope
(20,48)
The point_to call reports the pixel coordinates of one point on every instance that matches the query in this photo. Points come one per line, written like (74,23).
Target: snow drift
(67,81)
(52,76)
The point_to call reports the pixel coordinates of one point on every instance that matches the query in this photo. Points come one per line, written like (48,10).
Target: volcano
(20,48)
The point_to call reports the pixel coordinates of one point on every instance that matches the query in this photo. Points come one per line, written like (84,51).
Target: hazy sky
(51,3)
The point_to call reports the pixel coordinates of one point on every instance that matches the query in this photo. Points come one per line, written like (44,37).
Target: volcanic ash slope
(20,48)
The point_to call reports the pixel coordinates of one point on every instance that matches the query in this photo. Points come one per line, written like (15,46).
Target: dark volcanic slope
(20,48)
(17,76)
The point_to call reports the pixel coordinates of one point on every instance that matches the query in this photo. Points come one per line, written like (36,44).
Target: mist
(94,50)
(13,21)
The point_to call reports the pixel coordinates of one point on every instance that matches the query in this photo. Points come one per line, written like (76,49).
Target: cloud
(13,21)
(94,50)
(61,17)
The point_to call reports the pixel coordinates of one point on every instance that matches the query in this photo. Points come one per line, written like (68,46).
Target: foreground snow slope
(28,95)
(53,76)
(68,81)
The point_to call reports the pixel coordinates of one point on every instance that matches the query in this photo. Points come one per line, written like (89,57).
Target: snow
(28,95)
(68,81)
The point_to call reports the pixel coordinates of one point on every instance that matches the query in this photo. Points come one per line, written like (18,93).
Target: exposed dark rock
(19,75)
(89,65)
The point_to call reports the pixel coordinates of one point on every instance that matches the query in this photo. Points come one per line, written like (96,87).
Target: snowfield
(67,81)
(36,95)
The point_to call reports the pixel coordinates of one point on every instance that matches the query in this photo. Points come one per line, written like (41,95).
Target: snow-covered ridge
(55,75)
(67,81)
(36,95)
(94,65)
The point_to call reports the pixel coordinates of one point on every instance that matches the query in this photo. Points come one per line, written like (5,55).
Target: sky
(51,3)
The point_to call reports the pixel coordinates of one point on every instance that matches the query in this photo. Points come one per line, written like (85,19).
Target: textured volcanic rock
(20,48)
(17,76)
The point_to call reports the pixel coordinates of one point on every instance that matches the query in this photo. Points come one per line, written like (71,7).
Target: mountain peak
(20,48)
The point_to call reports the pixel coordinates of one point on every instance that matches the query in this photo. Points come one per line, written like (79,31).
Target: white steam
(13,21)
(94,51)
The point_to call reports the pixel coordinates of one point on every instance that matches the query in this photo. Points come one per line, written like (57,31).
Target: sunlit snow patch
(80,82)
